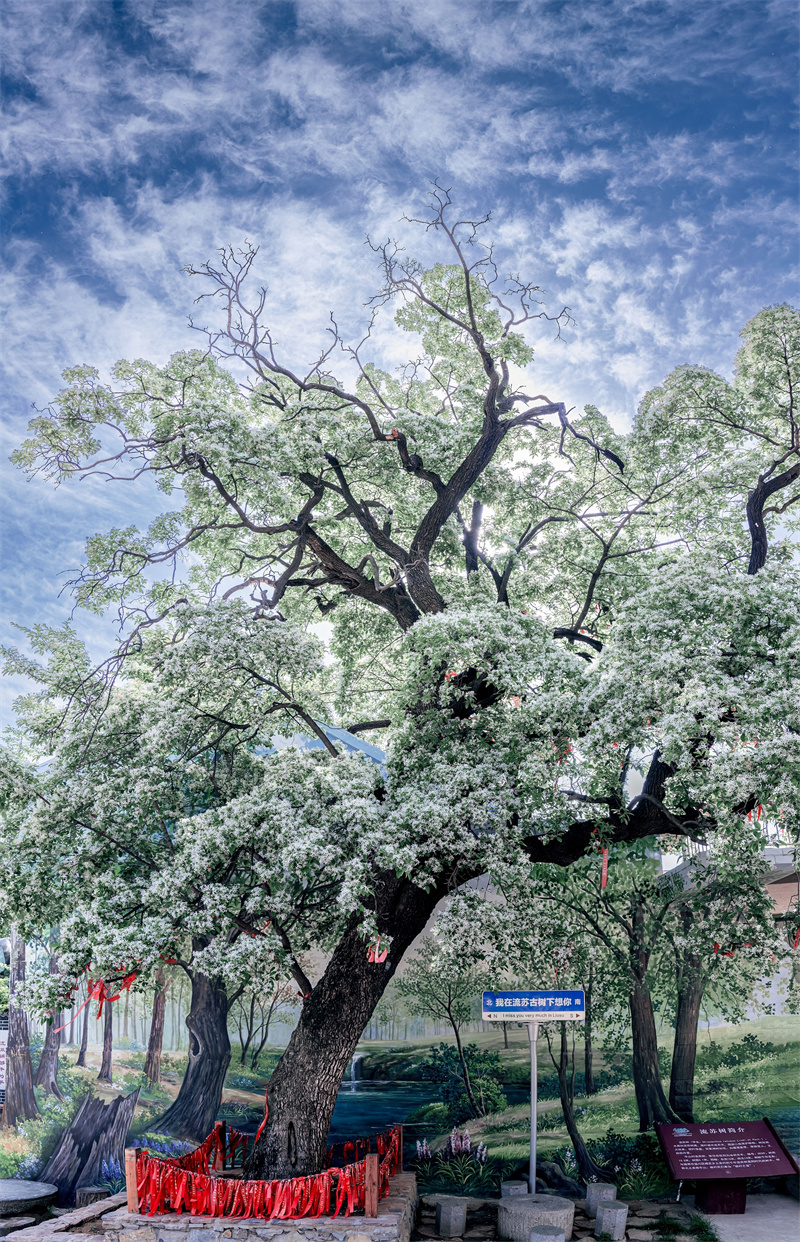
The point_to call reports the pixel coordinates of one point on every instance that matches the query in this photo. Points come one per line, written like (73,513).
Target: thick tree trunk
(81,1061)
(505,1034)
(194,1112)
(684,1052)
(152,1062)
(20,1102)
(588,1052)
(108,1045)
(303,1087)
(650,1099)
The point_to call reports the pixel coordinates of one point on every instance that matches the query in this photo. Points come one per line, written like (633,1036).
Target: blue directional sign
(533,1006)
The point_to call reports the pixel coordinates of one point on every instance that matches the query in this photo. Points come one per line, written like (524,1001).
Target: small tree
(20,1102)
(437,986)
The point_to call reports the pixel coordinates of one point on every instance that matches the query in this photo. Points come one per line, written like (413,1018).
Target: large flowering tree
(529,605)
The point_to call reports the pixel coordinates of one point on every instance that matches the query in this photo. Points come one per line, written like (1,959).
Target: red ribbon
(184,1184)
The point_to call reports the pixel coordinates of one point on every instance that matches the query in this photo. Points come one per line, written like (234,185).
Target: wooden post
(219,1157)
(371,1177)
(130,1179)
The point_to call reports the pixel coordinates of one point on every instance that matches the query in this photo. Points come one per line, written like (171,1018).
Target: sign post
(3,1052)
(533,1008)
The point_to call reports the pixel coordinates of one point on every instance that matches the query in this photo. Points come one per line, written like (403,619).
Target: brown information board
(711,1150)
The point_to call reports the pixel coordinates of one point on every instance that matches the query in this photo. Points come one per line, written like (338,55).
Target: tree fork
(332,1021)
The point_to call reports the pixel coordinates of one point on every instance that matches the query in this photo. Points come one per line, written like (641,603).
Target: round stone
(18,1196)
(518,1215)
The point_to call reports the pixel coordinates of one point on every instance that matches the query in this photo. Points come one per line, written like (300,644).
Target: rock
(518,1215)
(640,1235)
(451,1219)
(507,1189)
(553,1175)
(15,1222)
(17,1195)
(427,1231)
(612,1218)
(597,1193)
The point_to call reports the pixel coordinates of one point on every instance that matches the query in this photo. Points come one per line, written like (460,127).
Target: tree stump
(518,1215)
(84,1195)
(96,1133)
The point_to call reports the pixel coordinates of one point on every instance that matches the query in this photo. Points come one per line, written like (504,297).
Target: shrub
(636,1161)
(442,1066)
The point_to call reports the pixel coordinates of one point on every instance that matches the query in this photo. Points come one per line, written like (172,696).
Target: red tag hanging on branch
(604,870)
(375,953)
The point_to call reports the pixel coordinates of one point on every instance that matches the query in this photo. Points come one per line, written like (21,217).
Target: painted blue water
(365,1107)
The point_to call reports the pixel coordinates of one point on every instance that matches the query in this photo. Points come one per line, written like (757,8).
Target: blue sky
(639,159)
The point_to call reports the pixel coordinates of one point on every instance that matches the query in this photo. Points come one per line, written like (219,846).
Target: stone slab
(73,1219)
(394,1222)
(18,1195)
(10,1223)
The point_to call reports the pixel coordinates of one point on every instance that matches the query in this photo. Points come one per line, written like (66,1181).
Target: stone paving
(482,1220)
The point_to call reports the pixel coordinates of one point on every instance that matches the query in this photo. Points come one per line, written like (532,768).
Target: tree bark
(95,1134)
(650,1099)
(20,1102)
(125,1031)
(108,1045)
(756,500)
(303,1086)
(194,1112)
(152,1062)
(684,1052)
(81,1061)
